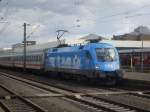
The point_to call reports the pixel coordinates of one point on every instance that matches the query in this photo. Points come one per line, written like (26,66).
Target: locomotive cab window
(105,54)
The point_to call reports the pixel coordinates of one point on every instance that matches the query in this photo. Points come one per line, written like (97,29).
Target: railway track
(88,100)
(12,102)
(141,94)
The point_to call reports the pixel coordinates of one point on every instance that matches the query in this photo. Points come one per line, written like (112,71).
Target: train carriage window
(36,58)
(21,58)
(33,58)
(39,58)
(30,58)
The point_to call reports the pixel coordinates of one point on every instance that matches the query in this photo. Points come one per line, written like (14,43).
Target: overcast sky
(102,17)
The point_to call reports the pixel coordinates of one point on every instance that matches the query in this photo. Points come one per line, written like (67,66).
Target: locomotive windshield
(106,54)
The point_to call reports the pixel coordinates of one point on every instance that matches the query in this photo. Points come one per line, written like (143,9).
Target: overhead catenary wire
(138,15)
(130,11)
(4,27)
(33,30)
(4,17)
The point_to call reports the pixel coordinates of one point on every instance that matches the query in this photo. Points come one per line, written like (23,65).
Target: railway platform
(137,76)
(137,80)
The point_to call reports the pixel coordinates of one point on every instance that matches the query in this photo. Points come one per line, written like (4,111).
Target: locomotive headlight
(97,66)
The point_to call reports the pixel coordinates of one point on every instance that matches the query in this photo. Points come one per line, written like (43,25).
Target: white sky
(102,17)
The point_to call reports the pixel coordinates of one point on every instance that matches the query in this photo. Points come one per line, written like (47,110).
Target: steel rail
(102,103)
(15,96)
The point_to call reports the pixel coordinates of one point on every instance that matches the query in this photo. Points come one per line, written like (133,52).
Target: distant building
(140,33)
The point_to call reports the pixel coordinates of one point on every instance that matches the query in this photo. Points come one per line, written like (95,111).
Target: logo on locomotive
(65,62)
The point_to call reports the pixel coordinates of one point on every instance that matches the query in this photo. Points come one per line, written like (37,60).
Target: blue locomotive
(98,61)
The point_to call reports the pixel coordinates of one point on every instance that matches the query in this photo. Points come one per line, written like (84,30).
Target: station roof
(128,44)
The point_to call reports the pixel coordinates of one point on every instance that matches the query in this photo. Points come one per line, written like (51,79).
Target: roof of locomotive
(80,47)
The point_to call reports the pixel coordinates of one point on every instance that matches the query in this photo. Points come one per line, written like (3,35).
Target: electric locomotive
(97,61)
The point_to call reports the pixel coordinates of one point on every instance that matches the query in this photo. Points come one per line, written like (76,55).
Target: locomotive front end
(107,64)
